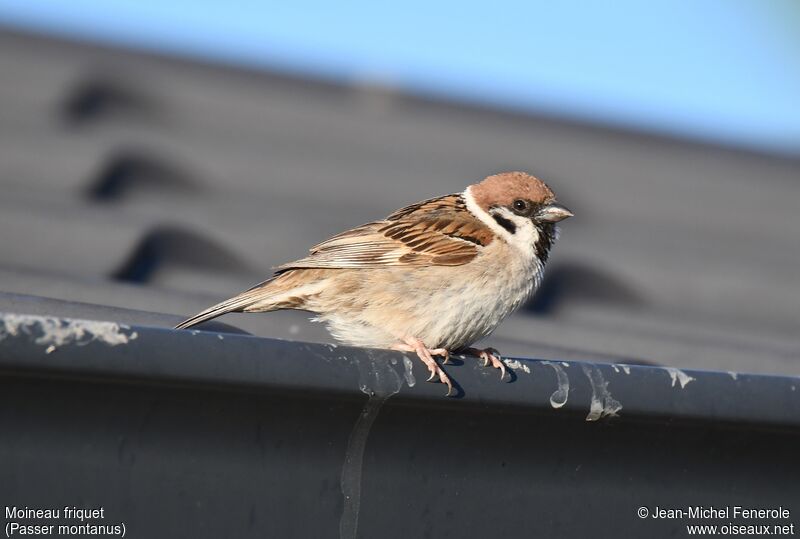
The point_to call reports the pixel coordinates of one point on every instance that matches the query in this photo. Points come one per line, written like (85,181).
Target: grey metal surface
(52,345)
(201,434)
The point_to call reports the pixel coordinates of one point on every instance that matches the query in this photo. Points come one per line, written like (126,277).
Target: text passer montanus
(431,278)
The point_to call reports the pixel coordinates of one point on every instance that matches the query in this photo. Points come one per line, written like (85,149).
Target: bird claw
(443,378)
(426,354)
(490,356)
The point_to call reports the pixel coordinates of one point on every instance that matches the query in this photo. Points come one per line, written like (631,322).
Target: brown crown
(504,188)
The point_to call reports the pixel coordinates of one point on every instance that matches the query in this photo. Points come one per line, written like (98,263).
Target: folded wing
(436,232)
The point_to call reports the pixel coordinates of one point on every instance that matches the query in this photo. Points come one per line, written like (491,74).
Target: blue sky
(721,70)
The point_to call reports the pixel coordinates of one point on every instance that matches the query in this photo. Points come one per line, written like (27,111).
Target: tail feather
(237,303)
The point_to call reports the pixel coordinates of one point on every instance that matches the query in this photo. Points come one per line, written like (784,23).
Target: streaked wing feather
(434,232)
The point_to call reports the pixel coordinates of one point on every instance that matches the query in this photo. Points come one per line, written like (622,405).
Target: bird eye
(520,205)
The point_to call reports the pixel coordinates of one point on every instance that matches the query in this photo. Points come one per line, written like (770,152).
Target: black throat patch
(505,223)
(547,235)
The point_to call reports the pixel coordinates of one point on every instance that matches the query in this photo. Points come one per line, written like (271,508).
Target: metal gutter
(295,439)
(41,345)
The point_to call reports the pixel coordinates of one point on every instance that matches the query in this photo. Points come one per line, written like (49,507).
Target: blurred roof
(727,72)
(135,185)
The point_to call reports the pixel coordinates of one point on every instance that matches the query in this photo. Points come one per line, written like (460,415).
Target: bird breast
(450,307)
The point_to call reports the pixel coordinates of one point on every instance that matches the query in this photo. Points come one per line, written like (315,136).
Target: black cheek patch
(505,223)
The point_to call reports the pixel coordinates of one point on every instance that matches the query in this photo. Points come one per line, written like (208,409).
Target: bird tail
(261,294)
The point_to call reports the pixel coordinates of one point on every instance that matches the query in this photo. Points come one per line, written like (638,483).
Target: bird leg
(412,344)
(489,355)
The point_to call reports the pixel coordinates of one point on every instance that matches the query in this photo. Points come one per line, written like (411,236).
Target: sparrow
(430,279)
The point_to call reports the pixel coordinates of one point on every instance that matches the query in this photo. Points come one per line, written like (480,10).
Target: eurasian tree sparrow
(431,278)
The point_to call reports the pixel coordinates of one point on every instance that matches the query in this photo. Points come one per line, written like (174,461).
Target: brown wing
(435,232)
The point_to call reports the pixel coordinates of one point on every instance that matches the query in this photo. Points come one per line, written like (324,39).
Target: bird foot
(489,356)
(425,354)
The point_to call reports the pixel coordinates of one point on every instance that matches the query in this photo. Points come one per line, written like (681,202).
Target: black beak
(553,213)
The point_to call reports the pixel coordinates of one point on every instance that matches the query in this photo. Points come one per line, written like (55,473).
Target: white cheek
(526,235)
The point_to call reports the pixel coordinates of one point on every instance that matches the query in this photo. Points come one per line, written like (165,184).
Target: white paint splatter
(626,368)
(53,332)
(602,403)
(565,364)
(409,372)
(677,375)
(517,365)
(561,394)
(350,481)
(616,369)
(379,381)
(220,337)
(733,374)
